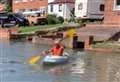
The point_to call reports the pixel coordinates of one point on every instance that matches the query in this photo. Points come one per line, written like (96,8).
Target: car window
(19,15)
(2,16)
(11,18)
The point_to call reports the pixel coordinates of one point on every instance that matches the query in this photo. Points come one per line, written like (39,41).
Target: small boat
(50,59)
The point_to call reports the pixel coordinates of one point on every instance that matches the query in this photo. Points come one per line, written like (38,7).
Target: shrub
(8,8)
(60,19)
(82,21)
(52,19)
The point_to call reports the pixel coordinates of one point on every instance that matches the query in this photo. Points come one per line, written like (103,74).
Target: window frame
(102,7)
(60,7)
(116,7)
(51,8)
(80,6)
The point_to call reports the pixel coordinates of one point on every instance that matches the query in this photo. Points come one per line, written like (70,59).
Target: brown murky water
(82,67)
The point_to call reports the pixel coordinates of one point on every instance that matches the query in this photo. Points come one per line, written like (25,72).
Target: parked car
(21,20)
(10,19)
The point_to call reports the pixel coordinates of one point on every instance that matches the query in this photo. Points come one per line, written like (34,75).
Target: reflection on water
(82,67)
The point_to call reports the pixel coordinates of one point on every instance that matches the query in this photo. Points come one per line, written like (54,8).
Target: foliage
(61,19)
(32,29)
(8,8)
(82,21)
(53,19)
(72,19)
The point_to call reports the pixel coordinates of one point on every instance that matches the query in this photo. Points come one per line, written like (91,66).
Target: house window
(80,6)
(51,8)
(102,7)
(60,7)
(116,4)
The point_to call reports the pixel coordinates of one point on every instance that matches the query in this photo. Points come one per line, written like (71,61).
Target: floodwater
(82,66)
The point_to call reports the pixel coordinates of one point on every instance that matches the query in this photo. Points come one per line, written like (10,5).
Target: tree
(8,8)
(8,5)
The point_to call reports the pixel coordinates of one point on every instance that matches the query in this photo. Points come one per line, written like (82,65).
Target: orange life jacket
(57,51)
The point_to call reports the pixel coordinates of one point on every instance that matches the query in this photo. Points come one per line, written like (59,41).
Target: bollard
(72,42)
(35,39)
(9,33)
(88,42)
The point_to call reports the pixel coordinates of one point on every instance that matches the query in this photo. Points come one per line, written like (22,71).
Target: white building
(89,9)
(64,8)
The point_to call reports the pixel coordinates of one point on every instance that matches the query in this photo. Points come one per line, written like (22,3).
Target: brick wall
(4,34)
(111,16)
(30,5)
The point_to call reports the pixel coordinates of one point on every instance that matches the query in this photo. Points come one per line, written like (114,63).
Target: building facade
(112,12)
(30,7)
(33,10)
(63,8)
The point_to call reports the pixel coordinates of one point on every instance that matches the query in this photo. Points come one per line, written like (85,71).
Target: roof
(62,1)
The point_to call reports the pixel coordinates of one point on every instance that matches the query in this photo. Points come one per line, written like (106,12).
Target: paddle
(35,59)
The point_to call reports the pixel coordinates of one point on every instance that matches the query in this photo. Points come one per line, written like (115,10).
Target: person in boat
(57,49)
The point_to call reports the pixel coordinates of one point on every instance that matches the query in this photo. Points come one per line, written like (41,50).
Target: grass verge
(33,29)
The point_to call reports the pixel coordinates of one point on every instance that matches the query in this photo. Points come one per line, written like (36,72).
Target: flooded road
(82,67)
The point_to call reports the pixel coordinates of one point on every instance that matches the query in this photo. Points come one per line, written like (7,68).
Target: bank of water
(82,67)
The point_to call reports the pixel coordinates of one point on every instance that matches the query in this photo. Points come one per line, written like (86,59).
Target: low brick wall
(5,33)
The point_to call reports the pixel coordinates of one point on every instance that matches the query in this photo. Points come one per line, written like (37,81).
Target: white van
(89,9)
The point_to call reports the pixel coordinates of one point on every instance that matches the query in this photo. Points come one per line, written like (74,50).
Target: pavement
(100,32)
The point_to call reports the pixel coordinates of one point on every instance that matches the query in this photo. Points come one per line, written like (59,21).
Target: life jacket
(57,51)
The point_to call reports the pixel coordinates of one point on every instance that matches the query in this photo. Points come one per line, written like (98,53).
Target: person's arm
(47,51)
(63,46)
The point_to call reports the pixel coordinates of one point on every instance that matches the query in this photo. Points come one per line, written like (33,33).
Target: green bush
(8,8)
(60,19)
(82,21)
(53,19)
